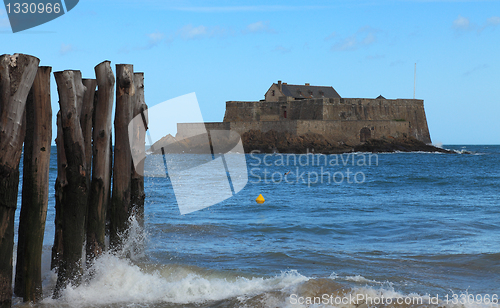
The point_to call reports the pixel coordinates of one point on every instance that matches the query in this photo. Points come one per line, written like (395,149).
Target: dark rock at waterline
(285,142)
(400,144)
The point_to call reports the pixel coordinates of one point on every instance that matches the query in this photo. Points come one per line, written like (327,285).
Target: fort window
(284,114)
(272,93)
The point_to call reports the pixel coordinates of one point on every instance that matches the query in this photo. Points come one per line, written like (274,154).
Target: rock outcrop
(285,142)
(401,144)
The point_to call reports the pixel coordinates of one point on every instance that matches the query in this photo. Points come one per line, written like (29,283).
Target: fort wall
(349,132)
(348,120)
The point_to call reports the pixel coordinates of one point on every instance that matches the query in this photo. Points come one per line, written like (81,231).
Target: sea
(351,230)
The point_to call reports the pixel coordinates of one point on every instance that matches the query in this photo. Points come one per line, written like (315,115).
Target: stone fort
(302,109)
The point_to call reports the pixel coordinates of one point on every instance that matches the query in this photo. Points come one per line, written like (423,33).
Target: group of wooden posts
(86,208)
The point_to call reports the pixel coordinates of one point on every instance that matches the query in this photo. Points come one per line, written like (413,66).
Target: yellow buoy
(260,199)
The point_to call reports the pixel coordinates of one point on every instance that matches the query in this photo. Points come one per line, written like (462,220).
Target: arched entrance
(364,134)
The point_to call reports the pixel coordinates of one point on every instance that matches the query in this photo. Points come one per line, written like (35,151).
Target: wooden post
(35,194)
(86,122)
(101,172)
(139,146)
(74,207)
(60,187)
(120,202)
(17,73)
(111,155)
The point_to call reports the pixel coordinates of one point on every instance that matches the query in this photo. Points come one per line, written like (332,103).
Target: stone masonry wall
(398,110)
(351,112)
(348,132)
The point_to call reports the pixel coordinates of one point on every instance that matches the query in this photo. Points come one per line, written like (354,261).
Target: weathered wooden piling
(137,194)
(74,207)
(102,157)
(60,186)
(120,202)
(35,190)
(86,112)
(17,73)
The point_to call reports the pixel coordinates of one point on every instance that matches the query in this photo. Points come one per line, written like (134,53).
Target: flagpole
(414,80)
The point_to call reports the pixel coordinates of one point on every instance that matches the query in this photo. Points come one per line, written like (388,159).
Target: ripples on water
(420,223)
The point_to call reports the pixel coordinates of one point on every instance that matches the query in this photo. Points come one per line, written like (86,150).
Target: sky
(234,50)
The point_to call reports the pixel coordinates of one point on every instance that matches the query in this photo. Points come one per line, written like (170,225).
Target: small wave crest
(125,278)
(118,281)
(122,277)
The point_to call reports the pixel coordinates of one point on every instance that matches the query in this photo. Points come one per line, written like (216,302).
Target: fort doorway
(364,134)
(284,114)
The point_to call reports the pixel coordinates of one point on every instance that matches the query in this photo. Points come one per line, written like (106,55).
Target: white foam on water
(117,280)
(114,278)
(359,278)
(383,296)
(355,278)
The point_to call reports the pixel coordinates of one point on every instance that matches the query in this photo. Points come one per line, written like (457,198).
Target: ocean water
(355,231)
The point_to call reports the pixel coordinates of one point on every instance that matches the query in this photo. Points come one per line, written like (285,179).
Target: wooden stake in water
(122,166)
(137,195)
(35,194)
(102,158)
(17,73)
(71,92)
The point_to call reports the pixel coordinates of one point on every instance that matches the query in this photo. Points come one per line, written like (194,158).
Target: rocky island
(301,118)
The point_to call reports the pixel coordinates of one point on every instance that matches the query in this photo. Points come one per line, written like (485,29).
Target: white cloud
(248,8)
(375,57)
(493,21)
(461,23)
(155,38)
(369,39)
(259,26)
(348,43)
(66,48)
(282,49)
(362,38)
(189,32)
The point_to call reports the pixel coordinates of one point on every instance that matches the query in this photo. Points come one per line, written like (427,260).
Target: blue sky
(234,50)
